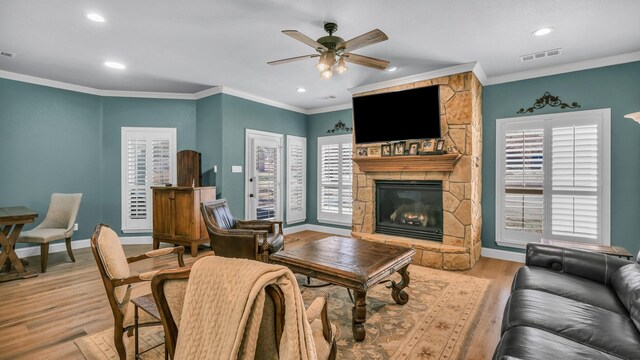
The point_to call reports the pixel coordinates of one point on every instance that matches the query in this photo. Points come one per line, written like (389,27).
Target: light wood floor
(41,317)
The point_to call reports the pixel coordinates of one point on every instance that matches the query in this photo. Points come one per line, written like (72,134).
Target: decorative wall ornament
(339,126)
(551,100)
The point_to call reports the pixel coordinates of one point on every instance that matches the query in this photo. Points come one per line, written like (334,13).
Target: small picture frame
(398,149)
(413,148)
(386,150)
(362,151)
(428,146)
(440,145)
(374,151)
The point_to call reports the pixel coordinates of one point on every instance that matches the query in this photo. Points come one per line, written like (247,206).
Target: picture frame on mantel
(427,146)
(398,148)
(385,149)
(413,148)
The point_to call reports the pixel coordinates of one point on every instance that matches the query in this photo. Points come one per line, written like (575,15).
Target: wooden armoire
(176,209)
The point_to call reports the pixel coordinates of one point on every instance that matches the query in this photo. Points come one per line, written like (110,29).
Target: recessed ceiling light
(114,65)
(95,17)
(392,69)
(301,90)
(543,31)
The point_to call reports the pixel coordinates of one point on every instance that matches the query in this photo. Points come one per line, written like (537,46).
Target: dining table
(12,220)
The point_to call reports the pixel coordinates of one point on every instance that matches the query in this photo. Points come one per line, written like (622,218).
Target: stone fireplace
(409,208)
(458,172)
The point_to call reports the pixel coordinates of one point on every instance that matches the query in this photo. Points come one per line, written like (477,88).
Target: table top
(17,215)
(360,261)
(603,249)
(148,304)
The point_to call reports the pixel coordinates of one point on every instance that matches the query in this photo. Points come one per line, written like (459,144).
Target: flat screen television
(416,115)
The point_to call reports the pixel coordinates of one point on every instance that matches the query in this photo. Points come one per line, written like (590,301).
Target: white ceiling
(192,45)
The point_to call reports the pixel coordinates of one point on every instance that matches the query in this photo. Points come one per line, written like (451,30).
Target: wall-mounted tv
(415,115)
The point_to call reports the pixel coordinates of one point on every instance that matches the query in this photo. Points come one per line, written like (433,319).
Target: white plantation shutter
(574,197)
(524,180)
(564,197)
(296,179)
(335,179)
(148,159)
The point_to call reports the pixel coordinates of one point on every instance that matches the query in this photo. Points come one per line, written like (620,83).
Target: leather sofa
(570,304)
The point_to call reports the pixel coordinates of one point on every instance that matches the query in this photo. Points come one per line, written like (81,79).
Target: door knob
(250,195)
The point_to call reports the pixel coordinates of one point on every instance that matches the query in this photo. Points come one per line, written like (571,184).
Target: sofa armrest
(585,264)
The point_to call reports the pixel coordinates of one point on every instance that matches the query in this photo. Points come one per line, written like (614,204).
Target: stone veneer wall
(461,126)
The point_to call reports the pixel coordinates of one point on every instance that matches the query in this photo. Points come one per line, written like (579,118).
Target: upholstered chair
(230,237)
(57,225)
(170,286)
(118,278)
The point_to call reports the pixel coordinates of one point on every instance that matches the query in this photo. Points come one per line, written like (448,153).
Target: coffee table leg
(359,315)
(397,293)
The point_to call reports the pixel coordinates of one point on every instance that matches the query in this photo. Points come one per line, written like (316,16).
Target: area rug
(437,322)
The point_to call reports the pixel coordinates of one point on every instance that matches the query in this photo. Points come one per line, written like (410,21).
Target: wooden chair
(57,225)
(117,279)
(170,286)
(251,239)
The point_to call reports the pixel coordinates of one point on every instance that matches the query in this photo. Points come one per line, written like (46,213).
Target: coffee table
(353,264)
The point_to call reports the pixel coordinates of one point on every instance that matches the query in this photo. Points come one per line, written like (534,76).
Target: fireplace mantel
(444,162)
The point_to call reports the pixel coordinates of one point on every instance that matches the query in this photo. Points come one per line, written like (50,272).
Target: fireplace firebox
(409,208)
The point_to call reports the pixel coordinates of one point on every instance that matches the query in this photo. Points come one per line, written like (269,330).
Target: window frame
(548,122)
(148,133)
(329,218)
(294,217)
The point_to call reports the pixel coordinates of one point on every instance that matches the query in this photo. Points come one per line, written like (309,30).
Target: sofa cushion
(626,283)
(572,287)
(525,342)
(601,329)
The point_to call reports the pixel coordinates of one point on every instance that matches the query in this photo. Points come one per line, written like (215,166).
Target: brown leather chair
(252,239)
(169,288)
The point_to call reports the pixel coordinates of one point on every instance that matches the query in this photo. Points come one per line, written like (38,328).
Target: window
(334,179)
(148,159)
(296,179)
(553,178)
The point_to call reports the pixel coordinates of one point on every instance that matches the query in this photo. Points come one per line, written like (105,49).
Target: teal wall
(118,112)
(238,115)
(209,138)
(616,87)
(317,126)
(50,142)
(56,140)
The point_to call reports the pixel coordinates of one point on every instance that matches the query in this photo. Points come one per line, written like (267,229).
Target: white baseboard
(319,228)
(503,255)
(80,244)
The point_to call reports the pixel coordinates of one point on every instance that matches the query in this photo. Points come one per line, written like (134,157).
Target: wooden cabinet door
(184,217)
(163,212)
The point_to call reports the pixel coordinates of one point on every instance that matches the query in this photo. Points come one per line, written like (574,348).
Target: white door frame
(249,133)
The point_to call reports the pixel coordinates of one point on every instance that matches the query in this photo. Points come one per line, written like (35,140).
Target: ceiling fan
(334,51)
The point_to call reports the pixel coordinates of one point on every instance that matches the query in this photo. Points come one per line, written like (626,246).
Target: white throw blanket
(223,309)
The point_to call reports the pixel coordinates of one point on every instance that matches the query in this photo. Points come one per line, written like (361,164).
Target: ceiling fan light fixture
(327,59)
(327,74)
(341,68)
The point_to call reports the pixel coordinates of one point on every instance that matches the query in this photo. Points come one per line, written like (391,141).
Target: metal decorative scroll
(548,99)
(339,126)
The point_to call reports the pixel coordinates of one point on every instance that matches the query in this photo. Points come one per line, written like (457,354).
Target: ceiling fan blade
(366,39)
(284,61)
(304,38)
(366,61)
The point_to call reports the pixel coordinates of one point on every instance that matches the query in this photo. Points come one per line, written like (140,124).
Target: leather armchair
(251,239)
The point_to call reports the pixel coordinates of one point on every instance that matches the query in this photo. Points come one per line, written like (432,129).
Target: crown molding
(46,82)
(146,94)
(259,99)
(451,70)
(565,68)
(206,93)
(331,108)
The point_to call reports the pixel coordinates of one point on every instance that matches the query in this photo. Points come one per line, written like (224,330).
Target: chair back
(217,215)
(169,288)
(62,213)
(112,263)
